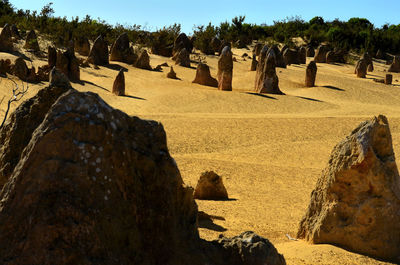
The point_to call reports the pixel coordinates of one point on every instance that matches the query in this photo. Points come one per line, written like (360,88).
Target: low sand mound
(357,199)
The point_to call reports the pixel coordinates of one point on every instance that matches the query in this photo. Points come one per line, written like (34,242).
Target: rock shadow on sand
(83,82)
(207,221)
(260,95)
(310,99)
(333,88)
(133,97)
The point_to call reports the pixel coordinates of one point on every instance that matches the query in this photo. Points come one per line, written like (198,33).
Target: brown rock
(119,84)
(370,67)
(320,54)
(171,74)
(86,202)
(388,79)
(330,57)
(395,66)
(5,67)
(277,55)
(257,49)
(43,73)
(62,62)
(6,43)
(182,42)
(15,32)
(20,69)
(143,61)
(98,54)
(225,70)
(302,55)
(234,59)
(210,187)
(203,76)
(361,68)
(291,56)
(310,52)
(183,58)
(356,202)
(32,77)
(31,42)
(57,78)
(82,46)
(253,63)
(121,50)
(311,74)
(284,48)
(266,79)
(51,56)
(249,249)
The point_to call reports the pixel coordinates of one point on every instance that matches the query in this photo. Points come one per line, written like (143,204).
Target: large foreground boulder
(356,202)
(98,54)
(6,43)
(121,50)
(203,76)
(225,69)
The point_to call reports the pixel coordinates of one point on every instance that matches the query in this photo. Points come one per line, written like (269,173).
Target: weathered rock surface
(183,58)
(119,84)
(395,66)
(51,56)
(31,42)
(254,63)
(279,60)
(82,46)
(266,79)
(20,69)
(68,64)
(6,43)
(225,70)
(361,68)
(121,50)
(388,79)
(143,62)
(311,74)
(210,187)
(310,51)
(291,56)
(356,201)
(182,41)
(302,55)
(250,249)
(5,67)
(320,54)
(171,74)
(257,48)
(203,76)
(98,54)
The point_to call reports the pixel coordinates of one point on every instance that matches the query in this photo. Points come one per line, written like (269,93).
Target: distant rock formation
(311,74)
(395,66)
(121,50)
(310,51)
(361,68)
(254,63)
(98,54)
(68,64)
(356,201)
(291,56)
(51,56)
(388,79)
(225,70)
(203,76)
(302,55)
(31,42)
(320,54)
(266,79)
(210,187)
(182,41)
(143,62)
(171,74)
(183,58)
(279,61)
(257,48)
(82,46)
(6,43)
(119,84)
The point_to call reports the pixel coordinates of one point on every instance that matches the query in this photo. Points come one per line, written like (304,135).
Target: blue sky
(155,14)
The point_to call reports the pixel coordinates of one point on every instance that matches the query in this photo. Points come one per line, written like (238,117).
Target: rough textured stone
(257,48)
(225,70)
(183,58)
(284,48)
(249,249)
(119,84)
(311,74)
(291,56)
(5,67)
(98,54)
(121,50)
(279,60)
(254,63)
(57,78)
(20,69)
(51,56)
(388,79)
(182,41)
(395,66)
(310,52)
(143,62)
(171,74)
(361,68)
(31,42)
(302,55)
(370,67)
(6,43)
(82,46)
(320,54)
(203,76)
(210,187)
(356,201)
(266,79)
(68,64)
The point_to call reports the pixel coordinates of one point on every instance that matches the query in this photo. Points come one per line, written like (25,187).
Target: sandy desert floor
(270,149)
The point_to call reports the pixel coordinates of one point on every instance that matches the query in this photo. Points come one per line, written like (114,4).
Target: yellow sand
(270,149)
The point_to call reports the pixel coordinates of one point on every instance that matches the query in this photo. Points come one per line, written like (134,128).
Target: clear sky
(155,14)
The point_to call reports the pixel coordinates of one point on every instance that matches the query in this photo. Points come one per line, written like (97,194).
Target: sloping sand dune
(270,149)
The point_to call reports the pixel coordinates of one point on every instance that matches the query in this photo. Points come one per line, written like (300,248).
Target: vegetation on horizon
(357,34)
